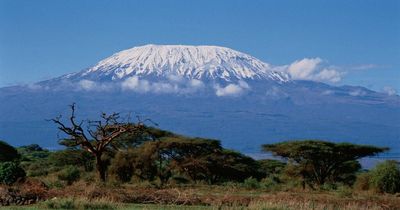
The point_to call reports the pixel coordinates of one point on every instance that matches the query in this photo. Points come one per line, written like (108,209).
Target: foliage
(161,158)
(34,160)
(123,165)
(271,182)
(271,167)
(7,152)
(70,174)
(37,168)
(33,152)
(318,162)
(10,172)
(230,165)
(98,137)
(133,140)
(386,177)
(79,158)
(178,156)
(251,183)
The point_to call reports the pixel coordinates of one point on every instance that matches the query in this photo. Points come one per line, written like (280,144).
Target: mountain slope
(205,91)
(191,62)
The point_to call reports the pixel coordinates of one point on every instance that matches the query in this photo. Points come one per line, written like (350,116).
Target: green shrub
(251,183)
(79,158)
(232,184)
(386,177)
(36,168)
(88,177)
(271,183)
(56,184)
(271,167)
(10,172)
(70,174)
(61,204)
(122,165)
(329,186)
(33,152)
(344,191)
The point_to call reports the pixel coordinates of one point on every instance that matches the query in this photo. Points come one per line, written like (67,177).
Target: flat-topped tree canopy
(318,161)
(303,149)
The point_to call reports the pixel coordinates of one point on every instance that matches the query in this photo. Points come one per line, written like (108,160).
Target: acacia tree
(98,136)
(318,162)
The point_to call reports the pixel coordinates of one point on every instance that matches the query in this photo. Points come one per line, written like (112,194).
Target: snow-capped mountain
(190,62)
(206,91)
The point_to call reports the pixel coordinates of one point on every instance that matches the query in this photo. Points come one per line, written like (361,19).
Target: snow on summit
(192,62)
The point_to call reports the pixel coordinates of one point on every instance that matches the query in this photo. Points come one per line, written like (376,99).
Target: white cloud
(389,90)
(175,78)
(244,84)
(330,75)
(357,92)
(328,92)
(162,87)
(87,84)
(134,83)
(172,85)
(232,89)
(303,69)
(312,69)
(195,83)
(365,67)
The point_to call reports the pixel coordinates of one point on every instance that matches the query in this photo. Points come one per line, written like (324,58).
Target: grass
(115,206)
(255,206)
(271,201)
(84,196)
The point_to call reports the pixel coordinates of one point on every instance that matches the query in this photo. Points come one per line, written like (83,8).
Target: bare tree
(98,135)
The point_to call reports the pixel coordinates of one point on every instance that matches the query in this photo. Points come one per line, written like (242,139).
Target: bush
(10,172)
(73,157)
(251,183)
(36,168)
(271,183)
(386,177)
(7,152)
(344,191)
(122,165)
(271,167)
(69,174)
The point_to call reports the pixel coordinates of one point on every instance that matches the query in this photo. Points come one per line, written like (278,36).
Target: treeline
(173,159)
(113,151)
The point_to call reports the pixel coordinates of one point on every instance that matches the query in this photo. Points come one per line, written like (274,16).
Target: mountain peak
(192,62)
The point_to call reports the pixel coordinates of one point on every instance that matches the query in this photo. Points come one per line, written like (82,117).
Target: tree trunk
(101,168)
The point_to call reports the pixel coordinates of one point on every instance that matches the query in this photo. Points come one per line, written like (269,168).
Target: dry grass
(83,195)
(223,197)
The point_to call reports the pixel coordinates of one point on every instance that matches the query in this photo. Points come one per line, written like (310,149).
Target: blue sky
(360,39)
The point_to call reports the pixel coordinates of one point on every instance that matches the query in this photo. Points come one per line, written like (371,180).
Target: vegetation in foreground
(120,165)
